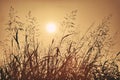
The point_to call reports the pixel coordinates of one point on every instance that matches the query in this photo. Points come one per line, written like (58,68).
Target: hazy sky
(46,11)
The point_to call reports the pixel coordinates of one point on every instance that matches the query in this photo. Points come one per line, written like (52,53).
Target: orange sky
(89,11)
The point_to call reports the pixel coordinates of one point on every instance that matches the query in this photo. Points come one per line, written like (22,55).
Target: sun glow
(51,27)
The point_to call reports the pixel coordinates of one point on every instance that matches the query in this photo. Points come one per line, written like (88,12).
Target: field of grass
(83,59)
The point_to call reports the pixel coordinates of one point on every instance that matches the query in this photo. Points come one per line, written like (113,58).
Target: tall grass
(69,60)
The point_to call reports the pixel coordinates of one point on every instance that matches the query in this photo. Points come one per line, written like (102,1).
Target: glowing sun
(51,27)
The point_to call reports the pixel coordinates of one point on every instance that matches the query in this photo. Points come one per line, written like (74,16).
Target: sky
(46,11)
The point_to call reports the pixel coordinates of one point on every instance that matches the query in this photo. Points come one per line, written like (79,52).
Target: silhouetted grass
(81,60)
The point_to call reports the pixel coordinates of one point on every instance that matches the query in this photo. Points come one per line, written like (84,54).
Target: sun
(51,27)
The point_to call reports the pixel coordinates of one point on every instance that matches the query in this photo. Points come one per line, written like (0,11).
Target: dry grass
(78,61)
